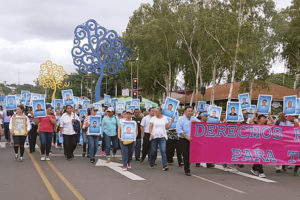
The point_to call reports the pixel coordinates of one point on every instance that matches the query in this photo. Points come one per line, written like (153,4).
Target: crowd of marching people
(153,130)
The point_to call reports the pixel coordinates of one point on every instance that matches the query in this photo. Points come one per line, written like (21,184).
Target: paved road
(78,179)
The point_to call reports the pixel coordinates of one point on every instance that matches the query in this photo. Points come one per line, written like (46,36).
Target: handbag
(127,142)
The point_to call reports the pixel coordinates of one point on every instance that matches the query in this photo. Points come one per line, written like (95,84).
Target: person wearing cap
(183,128)
(257,169)
(68,132)
(92,139)
(109,132)
(127,146)
(46,125)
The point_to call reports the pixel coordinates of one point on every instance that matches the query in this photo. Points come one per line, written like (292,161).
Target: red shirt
(45,124)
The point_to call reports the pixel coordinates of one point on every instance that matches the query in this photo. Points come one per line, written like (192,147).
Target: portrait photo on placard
(98,107)
(18,99)
(214,114)
(298,106)
(39,108)
(28,100)
(264,104)
(68,97)
(201,106)
(289,105)
(128,131)
(24,94)
(86,104)
(76,102)
(251,111)
(58,104)
(11,102)
(114,102)
(94,128)
(35,96)
(148,105)
(232,111)
(241,116)
(120,107)
(131,108)
(244,100)
(170,107)
(82,114)
(127,104)
(135,103)
(106,100)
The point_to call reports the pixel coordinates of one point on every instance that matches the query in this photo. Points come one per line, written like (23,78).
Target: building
(221,94)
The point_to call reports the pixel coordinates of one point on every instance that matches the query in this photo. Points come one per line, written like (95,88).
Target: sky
(34,31)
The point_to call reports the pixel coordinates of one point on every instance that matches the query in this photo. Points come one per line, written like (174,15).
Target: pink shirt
(45,124)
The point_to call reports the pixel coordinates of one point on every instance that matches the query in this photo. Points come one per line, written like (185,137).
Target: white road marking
(219,184)
(220,167)
(2,144)
(118,168)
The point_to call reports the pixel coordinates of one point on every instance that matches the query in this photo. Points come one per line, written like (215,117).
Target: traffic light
(135,83)
(135,95)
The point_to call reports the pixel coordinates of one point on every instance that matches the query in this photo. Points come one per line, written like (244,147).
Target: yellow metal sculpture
(52,76)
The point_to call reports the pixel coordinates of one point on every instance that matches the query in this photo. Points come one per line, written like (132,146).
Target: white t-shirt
(67,125)
(159,127)
(146,123)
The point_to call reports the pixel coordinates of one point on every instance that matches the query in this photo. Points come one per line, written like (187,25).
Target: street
(79,179)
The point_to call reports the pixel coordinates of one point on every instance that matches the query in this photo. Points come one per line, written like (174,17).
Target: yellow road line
(66,182)
(44,178)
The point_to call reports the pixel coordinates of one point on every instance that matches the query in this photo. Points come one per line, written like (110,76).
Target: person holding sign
(183,128)
(46,125)
(257,169)
(93,131)
(158,133)
(19,127)
(127,133)
(68,132)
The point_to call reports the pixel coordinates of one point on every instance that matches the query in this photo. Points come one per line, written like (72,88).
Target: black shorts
(20,140)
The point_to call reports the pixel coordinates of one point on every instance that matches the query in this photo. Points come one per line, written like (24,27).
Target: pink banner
(244,144)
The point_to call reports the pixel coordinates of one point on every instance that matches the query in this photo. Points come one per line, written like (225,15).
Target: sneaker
(152,166)
(92,160)
(262,175)
(113,158)
(142,160)
(47,158)
(16,156)
(21,159)
(124,168)
(129,166)
(43,158)
(108,160)
(165,168)
(197,164)
(254,172)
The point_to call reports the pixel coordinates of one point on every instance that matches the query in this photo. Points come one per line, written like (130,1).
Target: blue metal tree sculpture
(99,51)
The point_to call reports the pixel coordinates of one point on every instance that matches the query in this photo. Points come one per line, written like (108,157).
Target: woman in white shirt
(158,133)
(19,140)
(67,131)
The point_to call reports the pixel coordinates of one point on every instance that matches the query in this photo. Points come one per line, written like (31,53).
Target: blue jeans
(162,147)
(127,152)
(138,146)
(108,141)
(84,137)
(93,145)
(45,139)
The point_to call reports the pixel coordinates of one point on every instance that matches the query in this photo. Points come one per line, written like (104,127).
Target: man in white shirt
(146,135)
